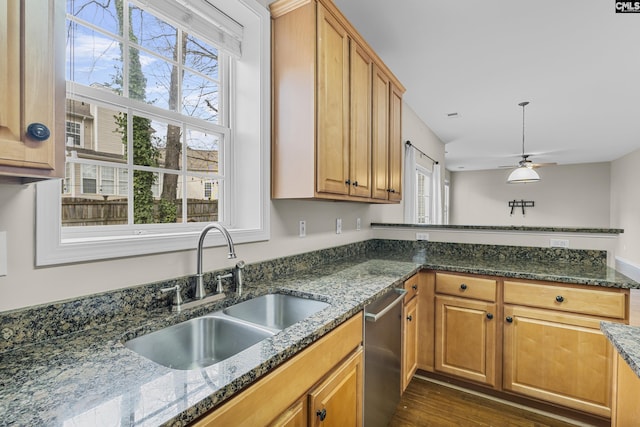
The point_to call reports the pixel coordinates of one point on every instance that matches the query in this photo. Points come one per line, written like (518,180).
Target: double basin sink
(206,340)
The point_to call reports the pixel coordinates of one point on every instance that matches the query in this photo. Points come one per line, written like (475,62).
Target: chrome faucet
(200,292)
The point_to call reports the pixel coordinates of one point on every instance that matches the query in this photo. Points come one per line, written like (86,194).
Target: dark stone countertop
(587,230)
(626,340)
(89,378)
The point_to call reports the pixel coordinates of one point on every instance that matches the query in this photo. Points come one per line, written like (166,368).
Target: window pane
(101,13)
(150,80)
(107,180)
(100,131)
(93,59)
(152,33)
(203,152)
(200,97)
(149,205)
(202,57)
(202,199)
(89,179)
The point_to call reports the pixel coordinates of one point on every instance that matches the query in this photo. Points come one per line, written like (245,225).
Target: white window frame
(249,163)
(445,202)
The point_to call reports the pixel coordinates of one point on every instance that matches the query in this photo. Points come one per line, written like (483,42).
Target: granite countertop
(626,340)
(90,378)
(586,230)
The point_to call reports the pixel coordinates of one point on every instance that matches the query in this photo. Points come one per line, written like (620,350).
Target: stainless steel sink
(198,343)
(277,311)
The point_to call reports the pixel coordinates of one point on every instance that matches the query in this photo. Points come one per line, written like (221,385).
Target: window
(73,134)
(151,98)
(423,195)
(445,213)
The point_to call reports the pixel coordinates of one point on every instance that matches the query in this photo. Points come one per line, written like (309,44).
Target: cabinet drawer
(466,286)
(411,286)
(596,302)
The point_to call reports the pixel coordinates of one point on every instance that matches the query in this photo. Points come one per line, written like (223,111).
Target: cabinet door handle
(560,298)
(414,287)
(489,316)
(348,182)
(322,414)
(38,131)
(463,287)
(409,318)
(355,183)
(509,319)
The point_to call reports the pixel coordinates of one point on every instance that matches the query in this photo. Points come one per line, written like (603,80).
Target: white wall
(569,195)
(421,136)
(625,206)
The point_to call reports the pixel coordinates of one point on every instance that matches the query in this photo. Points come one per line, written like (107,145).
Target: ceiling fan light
(523,174)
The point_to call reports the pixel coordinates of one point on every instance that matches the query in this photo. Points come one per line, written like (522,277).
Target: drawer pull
(463,287)
(489,316)
(322,414)
(409,318)
(414,287)
(560,298)
(509,319)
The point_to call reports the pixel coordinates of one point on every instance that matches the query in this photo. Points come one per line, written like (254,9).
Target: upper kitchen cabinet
(32,87)
(329,122)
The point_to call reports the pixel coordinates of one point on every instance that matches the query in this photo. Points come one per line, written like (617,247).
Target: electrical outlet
(358,224)
(559,243)
(303,228)
(422,236)
(339,226)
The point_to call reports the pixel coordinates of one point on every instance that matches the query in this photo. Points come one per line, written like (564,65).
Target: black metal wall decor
(521,204)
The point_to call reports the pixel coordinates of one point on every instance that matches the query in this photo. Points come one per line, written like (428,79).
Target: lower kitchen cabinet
(337,402)
(296,416)
(558,357)
(409,341)
(326,376)
(626,411)
(465,339)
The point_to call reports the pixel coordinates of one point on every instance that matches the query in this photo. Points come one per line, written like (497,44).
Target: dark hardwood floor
(425,403)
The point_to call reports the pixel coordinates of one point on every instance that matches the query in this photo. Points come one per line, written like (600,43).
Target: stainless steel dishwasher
(382,357)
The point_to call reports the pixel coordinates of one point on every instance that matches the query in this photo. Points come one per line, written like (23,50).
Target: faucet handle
(177,298)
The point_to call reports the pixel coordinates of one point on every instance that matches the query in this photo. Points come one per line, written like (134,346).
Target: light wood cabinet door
(409,342)
(626,411)
(466,339)
(380,147)
(32,88)
(557,357)
(337,401)
(332,146)
(395,144)
(296,416)
(360,122)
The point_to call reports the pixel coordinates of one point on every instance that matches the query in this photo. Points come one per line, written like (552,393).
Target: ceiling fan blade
(540,165)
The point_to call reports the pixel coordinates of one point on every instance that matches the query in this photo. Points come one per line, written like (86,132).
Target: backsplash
(43,322)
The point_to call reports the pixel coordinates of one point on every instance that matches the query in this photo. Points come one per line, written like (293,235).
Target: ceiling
(576,61)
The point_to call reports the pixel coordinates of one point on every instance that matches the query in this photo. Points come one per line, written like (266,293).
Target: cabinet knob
(409,318)
(509,319)
(355,183)
(463,287)
(559,298)
(38,131)
(489,316)
(414,287)
(348,182)
(322,414)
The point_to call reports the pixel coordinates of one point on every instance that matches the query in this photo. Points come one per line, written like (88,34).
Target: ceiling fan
(525,171)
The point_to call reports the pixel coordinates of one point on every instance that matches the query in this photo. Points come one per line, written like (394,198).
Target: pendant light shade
(523,173)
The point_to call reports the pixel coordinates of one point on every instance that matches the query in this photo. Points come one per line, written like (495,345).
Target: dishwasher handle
(374,317)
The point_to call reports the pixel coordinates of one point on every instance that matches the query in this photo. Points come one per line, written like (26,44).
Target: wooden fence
(84,212)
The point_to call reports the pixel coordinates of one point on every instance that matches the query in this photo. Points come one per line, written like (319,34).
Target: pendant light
(523,173)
